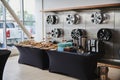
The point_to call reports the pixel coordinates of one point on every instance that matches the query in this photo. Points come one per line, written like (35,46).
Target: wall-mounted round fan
(73,19)
(73,34)
(97,18)
(52,19)
(76,33)
(104,34)
(57,32)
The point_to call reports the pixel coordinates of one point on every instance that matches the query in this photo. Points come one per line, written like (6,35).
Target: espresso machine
(95,46)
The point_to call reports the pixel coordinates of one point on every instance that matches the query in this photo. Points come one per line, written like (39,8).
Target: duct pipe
(16,19)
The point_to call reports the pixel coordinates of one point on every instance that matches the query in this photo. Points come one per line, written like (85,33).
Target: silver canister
(84,43)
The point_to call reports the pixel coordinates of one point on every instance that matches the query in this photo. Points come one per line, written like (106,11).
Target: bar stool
(4,54)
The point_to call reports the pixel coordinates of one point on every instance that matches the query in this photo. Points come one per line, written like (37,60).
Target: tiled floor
(15,71)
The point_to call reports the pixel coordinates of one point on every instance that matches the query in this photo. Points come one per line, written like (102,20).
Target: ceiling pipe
(17,19)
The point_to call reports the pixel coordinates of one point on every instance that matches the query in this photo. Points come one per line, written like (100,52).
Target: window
(29,15)
(1,25)
(8,25)
(28,19)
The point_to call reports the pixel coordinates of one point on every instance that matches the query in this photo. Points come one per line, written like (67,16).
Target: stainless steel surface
(114,60)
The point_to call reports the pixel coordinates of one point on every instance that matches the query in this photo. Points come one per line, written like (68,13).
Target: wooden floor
(114,74)
(15,71)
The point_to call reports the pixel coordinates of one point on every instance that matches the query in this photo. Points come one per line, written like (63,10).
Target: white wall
(53,4)
(92,29)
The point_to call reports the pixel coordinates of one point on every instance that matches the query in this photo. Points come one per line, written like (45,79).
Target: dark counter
(115,62)
(79,66)
(33,56)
